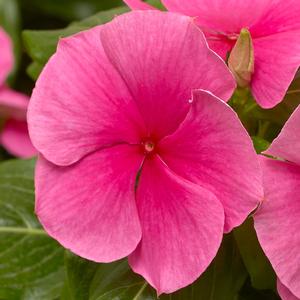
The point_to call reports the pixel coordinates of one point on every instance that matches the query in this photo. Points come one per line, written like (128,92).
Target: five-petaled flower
(13,106)
(277,223)
(132,162)
(273,25)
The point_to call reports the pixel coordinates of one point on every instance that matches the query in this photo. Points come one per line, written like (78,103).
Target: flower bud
(241,59)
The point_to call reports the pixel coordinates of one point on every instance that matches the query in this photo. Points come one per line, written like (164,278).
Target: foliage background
(32,265)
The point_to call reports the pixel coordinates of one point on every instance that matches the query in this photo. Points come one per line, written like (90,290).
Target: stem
(293,92)
(19,230)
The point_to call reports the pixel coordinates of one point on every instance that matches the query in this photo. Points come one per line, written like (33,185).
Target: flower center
(149,147)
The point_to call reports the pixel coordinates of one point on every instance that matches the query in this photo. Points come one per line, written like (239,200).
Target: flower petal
(138,4)
(6,56)
(182,228)
(89,207)
(277,223)
(80,103)
(287,144)
(15,139)
(211,148)
(227,16)
(284,292)
(162,57)
(13,104)
(277,58)
(280,16)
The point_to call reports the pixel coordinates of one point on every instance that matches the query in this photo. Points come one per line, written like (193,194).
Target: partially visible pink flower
(13,106)
(6,56)
(277,223)
(273,25)
(121,105)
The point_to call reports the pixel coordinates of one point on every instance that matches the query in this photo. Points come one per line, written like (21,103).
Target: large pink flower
(130,164)
(275,30)
(13,106)
(278,221)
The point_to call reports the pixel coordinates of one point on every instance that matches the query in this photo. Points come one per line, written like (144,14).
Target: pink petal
(182,227)
(277,223)
(287,144)
(138,4)
(227,16)
(280,16)
(277,59)
(15,139)
(222,48)
(6,56)
(211,148)
(13,104)
(90,207)
(162,57)
(284,292)
(80,103)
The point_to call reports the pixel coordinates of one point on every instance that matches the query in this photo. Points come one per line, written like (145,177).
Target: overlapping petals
(92,210)
(277,222)
(287,145)
(105,184)
(275,30)
(205,152)
(182,228)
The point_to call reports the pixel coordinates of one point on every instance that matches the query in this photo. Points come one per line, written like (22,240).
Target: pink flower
(115,102)
(13,106)
(278,221)
(273,25)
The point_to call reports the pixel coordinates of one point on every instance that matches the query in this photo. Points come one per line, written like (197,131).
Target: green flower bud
(241,59)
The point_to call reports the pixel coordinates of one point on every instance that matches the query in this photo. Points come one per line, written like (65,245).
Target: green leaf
(261,272)
(248,293)
(222,281)
(30,261)
(68,10)
(104,281)
(34,70)
(41,44)
(260,144)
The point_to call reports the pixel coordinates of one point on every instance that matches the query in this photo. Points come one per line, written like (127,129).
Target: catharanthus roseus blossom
(274,26)
(132,164)
(13,106)
(278,221)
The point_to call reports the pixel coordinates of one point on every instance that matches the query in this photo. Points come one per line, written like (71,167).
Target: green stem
(293,92)
(263,128)
(18,230)
(140,291)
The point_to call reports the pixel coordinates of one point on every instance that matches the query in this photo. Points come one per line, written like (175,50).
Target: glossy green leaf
(257,264)
(222,281)
(104,281)
(41,44)
(30,262)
